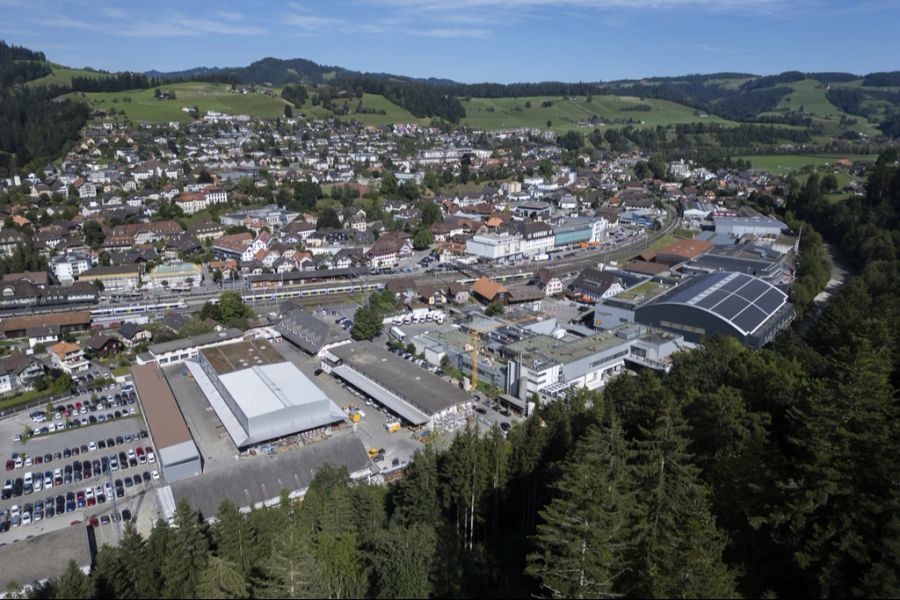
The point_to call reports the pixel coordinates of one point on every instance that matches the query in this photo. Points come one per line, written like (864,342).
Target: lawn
(140,105)
(785,163)
(24,398)
(565,114)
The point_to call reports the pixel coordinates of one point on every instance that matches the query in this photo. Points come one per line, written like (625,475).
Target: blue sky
(468,40)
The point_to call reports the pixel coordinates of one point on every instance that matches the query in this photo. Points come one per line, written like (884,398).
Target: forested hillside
(34,125)
(742,472)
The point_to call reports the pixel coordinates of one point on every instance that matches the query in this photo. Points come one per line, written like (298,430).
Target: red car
(10,465)
(94,522)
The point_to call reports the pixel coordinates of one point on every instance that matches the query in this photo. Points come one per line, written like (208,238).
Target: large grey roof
(426,392)
(260,479)
(44,556)
(309,332)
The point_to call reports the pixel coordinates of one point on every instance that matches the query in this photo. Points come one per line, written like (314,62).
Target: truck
(398,334)
(540,257)
(392,426)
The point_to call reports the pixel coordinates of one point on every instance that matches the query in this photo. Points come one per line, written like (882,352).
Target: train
(133,309)
(311,292)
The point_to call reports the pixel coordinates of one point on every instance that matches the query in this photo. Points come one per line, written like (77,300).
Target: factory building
(417,396)
(178,454)
(728,303)
(258,395)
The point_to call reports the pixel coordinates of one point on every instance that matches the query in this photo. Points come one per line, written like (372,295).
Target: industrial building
(756,225)
(417,396)
(258,395)
(727,303)
(259,482)
(551,365)
(310,333)
(178,351)
(178,455)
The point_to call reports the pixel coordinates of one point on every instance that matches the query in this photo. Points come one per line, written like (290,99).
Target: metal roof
(261,479)
(422,390)
(744,301)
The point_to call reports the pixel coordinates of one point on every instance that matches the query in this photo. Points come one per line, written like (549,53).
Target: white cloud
(310,21)
(227,15)
(451,32)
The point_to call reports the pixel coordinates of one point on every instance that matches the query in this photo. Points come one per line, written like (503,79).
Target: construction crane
(475,335)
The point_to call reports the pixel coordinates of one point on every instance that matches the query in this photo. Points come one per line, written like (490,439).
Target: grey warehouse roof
(250,482)
(744,301)
(426,392)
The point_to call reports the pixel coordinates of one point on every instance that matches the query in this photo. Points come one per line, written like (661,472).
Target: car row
(76,471)
(18,460)
(72,501)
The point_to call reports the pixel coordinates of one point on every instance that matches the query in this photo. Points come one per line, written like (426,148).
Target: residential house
(133,335)
(69,357)
(548,281)
(389,249)
(103,345)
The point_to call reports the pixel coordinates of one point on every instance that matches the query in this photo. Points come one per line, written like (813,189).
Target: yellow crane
(475,335)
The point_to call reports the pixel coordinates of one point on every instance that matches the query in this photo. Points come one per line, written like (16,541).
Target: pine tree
(222,579)
(155,552)
(186,554)
(416,495)
(583,541)
(74,583)
(139,575)
(679,550)
(291,571)
(404,558)
(235,538)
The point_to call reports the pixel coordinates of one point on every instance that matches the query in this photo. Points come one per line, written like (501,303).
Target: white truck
(398,334)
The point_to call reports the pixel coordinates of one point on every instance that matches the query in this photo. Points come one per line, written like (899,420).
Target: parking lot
(86,476)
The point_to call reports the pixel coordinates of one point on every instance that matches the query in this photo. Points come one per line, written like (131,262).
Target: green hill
(576,113)
(140,105)
(62,75)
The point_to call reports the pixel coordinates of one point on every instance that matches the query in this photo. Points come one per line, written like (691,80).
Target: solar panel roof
(743,300)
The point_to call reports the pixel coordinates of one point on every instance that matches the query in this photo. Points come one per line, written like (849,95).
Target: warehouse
(727,303)
(259,482)
(258,395)
(414,394)
(759,225)
(178,454)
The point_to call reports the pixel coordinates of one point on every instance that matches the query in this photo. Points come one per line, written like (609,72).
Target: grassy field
(392,112)
(565,114)
(140,105)
(810,95)
(63,75)
(786,163)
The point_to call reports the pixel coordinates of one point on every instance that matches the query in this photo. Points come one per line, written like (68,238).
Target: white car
(154,475)
(26,518)
(38,483)
(92,446)
(151,458)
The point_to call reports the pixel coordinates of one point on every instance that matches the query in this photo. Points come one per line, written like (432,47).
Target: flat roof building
(734,304)
(178,351)
(546,364)
(178,454)
(259,481)
(416,395)
(258,395)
